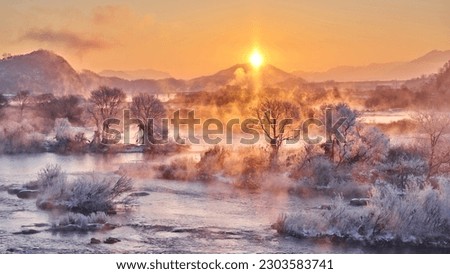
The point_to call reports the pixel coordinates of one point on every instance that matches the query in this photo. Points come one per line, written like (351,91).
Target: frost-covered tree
(339,111)
(365,144)
(434,131)
(362,143)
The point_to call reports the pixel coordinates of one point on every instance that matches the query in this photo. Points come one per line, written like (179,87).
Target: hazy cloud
(68,39)
(102,15)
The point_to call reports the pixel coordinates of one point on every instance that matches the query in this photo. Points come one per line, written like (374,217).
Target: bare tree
(22,99)
(145,107)
(3,103)
(274,117)
(105,103)
(435,127)
(62,107)
(43,98)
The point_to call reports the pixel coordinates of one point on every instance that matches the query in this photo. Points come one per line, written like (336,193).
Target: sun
(256,59)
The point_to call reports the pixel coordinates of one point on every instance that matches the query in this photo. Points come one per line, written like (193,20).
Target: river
(177,217)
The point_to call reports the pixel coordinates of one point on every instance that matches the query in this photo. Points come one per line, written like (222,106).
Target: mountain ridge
(136,74)
(426,64)
(43,71)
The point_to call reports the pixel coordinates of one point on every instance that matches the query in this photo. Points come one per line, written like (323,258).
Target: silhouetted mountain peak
(40,71)
(433,56)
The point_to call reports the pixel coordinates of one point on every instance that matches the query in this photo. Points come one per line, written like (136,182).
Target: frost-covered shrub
(20,137)
(246,167)
(63,129)
(91,193)
(418,216)
(182,168)
(338,221)
(77,221)
(50,176)
(363,144)
(212,163)
(254,169)
(403,166)
(86,194)
(414,215)
(298,162)
(218,161)
(348,188)
(67,139)
(322,172)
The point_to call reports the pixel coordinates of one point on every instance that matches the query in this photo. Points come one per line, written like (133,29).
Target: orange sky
(192,38)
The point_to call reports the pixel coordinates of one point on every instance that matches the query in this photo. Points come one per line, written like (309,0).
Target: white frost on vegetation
(415,215)
(86,194)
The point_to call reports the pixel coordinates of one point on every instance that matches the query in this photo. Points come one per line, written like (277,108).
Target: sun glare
(256,59)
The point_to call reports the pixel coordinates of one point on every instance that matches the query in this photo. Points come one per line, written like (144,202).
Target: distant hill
(43,71)
(241,74)
(40,71)
(136,74)
(440,82)
(92,80)
(424,65)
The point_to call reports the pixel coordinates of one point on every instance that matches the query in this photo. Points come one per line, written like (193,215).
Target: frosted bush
(67,139)
(320,176)
(404,166)
(363,144)
(91,193)
(322,172)
(212,163)
(347,188)
(20,137)
(414,215)
(298,161)
(86,194)
(63,129)
(49,176)
(418,216)
(182,168)
(254,169)
(52,196)
(78,221)
(246,167)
